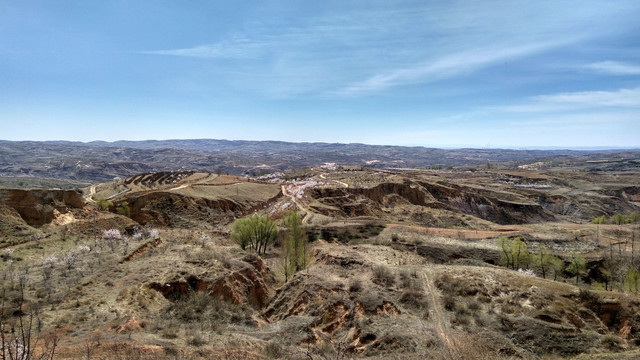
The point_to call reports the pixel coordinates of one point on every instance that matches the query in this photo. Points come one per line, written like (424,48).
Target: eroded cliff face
(498,207)
(36,207)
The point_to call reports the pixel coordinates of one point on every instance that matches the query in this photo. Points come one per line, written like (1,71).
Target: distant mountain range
(100,161)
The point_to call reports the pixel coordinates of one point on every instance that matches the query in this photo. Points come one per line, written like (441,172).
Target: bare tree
(91,344)
(22,341)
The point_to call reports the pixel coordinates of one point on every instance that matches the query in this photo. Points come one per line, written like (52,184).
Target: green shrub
(124,209)
(103,204)
(254,233)
(618,219)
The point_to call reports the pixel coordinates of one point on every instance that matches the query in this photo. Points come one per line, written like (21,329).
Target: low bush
(462,319)
(355,285)
(409,280)
(168,329)
(200,307)
(414,298)
(382,275)
(449,302)
(195,338)
(473,307)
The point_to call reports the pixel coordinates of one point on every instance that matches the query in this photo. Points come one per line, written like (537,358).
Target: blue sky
(431,73)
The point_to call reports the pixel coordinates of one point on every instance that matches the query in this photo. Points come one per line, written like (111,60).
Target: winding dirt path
(179,187)
(441,321)
(303,209)
(92,191)
(323,176)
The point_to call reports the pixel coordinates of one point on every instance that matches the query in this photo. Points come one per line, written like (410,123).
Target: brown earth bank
(36,207)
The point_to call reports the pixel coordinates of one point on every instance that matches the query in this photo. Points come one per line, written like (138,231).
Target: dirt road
(336,181)
(305,213)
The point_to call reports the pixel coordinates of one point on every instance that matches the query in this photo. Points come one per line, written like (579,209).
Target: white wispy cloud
(445,67)
(359,52)
(233,48)
(568,101)
(615,68)
(263,39)
(622,97)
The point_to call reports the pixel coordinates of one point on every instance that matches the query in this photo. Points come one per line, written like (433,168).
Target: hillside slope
(405,264)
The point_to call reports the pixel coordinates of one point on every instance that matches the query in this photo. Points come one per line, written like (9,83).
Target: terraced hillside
(182,199)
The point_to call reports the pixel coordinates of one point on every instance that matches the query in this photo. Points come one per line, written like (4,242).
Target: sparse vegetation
(618,218)
(20,337)
(599,220)
(632,280)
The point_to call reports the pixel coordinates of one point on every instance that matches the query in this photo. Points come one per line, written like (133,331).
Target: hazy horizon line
(439,146)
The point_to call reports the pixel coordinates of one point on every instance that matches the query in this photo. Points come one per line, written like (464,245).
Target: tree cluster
(617,219)
(295,254)
(103,204)
(515,255)
(620,267)
(254,232)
